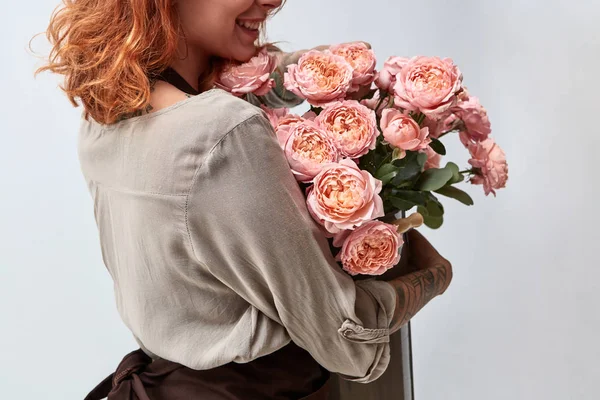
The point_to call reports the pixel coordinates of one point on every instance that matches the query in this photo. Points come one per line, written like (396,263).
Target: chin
(245,54)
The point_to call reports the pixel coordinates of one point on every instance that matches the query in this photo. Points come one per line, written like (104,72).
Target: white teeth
(249,25)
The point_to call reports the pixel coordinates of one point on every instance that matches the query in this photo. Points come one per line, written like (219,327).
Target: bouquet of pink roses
(370,147)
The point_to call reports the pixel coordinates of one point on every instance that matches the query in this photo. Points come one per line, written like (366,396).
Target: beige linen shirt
(214,255)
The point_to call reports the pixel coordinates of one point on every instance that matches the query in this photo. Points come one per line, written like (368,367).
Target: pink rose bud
(490,163)
(401,130)
(363,61)
(386,78)
(477,126)
(371,249)
(463,94)
(352,126)
(344,197)
(319,77)
(428,85)
(308,149)
(250,77)
(433,158)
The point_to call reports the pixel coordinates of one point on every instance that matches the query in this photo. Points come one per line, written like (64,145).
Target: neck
(194,65)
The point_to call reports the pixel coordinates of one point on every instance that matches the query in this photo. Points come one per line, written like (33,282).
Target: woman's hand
(418,254)
(430,275)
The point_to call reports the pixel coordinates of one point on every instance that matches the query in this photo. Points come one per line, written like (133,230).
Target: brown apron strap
(287,374)
(125,383)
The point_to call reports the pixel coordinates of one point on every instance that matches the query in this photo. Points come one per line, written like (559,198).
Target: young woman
(219,271)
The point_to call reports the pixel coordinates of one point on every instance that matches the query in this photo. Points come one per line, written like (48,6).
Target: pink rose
(449,123)
(489,162)
(428,85)
(386,78)
(344,197)
(250,77)
(363,61)
(284,125)
(401,130)
(371,249)
(319,77)
(352,126)
(308,148)
(476,123)
(275,114)
(433,158)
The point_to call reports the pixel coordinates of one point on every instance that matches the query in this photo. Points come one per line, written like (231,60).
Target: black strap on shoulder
(171,76)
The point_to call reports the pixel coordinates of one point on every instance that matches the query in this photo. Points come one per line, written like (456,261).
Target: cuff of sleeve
(369,293)
(384,297)
(354,332)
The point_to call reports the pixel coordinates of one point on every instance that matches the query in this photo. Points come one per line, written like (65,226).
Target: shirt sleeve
(248,224)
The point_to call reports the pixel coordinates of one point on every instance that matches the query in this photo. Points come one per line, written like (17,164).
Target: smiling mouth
(250,25)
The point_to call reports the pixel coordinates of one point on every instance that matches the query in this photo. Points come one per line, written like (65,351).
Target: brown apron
(289,373)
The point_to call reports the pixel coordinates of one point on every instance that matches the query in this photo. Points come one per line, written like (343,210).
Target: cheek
(210,25)
(207,23)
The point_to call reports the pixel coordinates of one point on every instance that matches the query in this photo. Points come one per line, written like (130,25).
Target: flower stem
(445,133)
(466,171)
(380,102)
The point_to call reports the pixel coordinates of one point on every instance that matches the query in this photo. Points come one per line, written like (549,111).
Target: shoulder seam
(161,111)
(196,173)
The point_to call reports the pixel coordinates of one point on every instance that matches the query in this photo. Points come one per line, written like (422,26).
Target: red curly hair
(109,50)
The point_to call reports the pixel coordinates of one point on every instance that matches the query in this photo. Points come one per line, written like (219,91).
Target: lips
(253,25)
(250,28)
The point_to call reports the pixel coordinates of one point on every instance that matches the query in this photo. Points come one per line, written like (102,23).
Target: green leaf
(438,146)
(410,196)
(404,200)
(385,169)
(435,209)
(434,206)
(408,170)
(386,178)
(401,204)
(409,158)
(456,175)
(430,221)
(434,179)
(457,194)
(459,179)
(421,159)
(433,222)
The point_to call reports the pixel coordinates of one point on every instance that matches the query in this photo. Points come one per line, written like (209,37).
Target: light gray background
(520,318)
